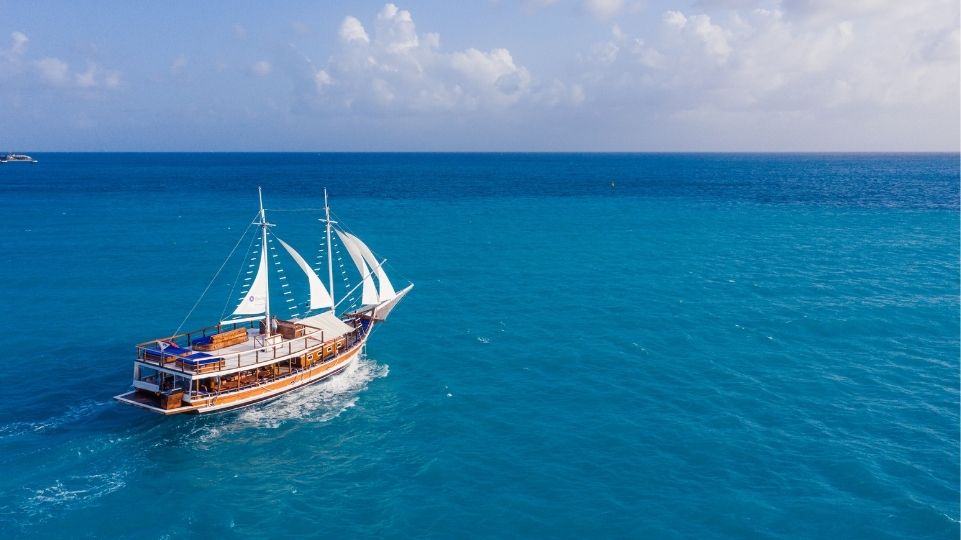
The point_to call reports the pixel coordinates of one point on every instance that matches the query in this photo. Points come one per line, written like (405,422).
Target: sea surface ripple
(598,345)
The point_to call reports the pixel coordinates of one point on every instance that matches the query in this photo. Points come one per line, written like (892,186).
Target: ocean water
(716,346)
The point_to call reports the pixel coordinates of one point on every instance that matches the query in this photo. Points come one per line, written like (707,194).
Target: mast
(330,258)
(263,246)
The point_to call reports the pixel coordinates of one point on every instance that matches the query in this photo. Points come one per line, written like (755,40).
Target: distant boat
(251,356)
(12,158)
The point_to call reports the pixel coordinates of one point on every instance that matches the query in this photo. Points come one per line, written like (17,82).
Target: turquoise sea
(717,346)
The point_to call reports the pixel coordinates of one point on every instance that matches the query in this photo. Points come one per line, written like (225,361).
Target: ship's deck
(251,345)
(250,353)
(152,403)
(323,334)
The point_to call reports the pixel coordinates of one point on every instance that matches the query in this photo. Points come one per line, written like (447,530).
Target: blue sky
(529,75)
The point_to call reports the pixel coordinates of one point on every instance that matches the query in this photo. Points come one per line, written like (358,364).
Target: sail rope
(249,260)
(345,277)
(282,278)
(350,292)
(207,288)
(339,264)
(319,259)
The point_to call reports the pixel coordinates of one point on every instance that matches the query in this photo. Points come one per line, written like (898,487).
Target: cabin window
(147,375)
(328,349)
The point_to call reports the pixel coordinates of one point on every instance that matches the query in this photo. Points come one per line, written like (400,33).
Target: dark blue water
(719,346)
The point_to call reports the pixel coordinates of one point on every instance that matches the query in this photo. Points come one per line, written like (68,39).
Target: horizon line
(548,152)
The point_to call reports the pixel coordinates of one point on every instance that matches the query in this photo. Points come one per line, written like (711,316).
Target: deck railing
(151,353)
(198,394)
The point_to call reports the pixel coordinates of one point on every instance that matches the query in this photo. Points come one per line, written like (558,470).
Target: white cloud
(96,77)
(395,28)
(713,37)
(53,70)
(742,72)
(19,45)
(810,57)
(87,79)
(675,19)
(261,68)
(352,30)
(15,63)
(111,79)
(630,53)
(10,57)
(396,68)
(322,79)
(604,9)
(831,66)
(495,69)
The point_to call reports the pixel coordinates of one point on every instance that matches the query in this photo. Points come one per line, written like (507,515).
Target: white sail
(319,297)
(383,310)
(255,302)
(369,295)
(386,290)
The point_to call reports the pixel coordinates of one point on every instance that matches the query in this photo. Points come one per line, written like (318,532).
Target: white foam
(72,414)
(75,491)
(320,402)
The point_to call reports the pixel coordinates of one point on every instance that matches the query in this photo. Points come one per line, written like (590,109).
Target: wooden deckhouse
(251,356)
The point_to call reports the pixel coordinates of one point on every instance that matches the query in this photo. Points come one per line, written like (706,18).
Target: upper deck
(319,335)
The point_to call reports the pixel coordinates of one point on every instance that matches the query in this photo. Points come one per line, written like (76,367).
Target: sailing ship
(252,356)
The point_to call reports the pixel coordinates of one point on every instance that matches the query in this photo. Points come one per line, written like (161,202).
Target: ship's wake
(73,491)
(317,403)
(75,413)
(320,402)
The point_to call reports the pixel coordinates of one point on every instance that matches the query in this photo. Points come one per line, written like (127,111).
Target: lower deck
(195,395)
(154,402)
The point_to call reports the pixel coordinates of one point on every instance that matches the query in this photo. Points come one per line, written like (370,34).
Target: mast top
(263,215)
(326,218)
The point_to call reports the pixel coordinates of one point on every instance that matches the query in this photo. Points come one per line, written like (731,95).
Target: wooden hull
(256,400)
(257,394)
(276,388)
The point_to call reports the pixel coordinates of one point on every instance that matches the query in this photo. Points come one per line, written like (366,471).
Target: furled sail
(319,297)
(255,301)
(369,294)
(385,289)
